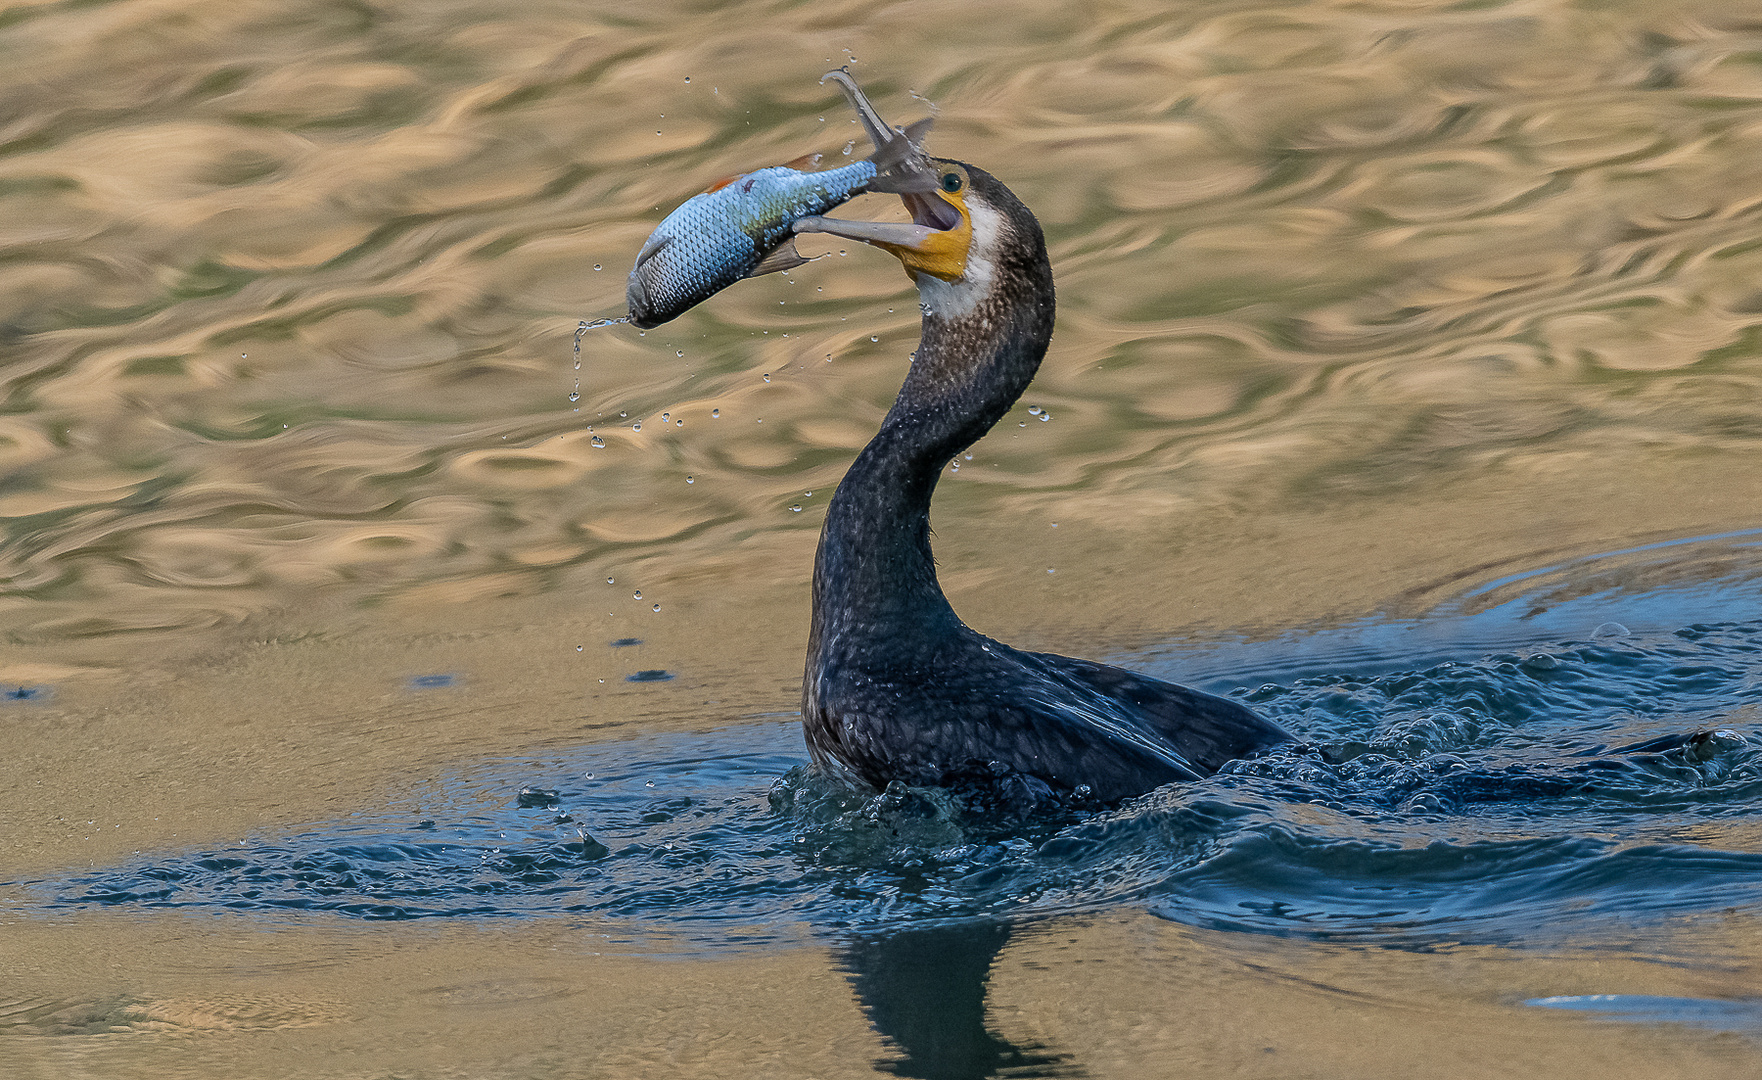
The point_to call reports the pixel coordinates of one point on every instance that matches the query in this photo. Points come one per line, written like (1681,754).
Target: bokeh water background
(389,695)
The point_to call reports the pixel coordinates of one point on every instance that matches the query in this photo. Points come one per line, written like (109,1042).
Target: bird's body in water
(897,688)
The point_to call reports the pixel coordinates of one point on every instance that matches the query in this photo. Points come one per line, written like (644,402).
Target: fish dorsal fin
(783,258)
(722,183)
(804,163)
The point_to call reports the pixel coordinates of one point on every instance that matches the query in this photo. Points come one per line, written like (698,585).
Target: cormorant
(897,687)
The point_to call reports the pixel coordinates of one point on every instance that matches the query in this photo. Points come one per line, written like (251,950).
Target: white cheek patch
(959,298)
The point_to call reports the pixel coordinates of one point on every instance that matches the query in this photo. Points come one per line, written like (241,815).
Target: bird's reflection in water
(924,991)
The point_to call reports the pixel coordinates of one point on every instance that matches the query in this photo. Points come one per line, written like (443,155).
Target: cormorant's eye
(951,182)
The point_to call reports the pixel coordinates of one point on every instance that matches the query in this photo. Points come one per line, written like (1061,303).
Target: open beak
(930,215)
(934,242)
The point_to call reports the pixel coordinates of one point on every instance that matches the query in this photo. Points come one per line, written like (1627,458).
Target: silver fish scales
(741,227)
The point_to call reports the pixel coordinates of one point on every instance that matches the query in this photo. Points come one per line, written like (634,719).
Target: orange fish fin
(803,163)
(722,183)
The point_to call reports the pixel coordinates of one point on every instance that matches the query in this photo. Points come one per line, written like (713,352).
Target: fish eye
(951,182)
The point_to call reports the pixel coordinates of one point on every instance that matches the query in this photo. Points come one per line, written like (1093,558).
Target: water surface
(1406,384)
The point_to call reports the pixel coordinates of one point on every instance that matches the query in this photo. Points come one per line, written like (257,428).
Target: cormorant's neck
(983,339)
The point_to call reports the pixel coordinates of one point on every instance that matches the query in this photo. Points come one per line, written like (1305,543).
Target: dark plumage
(897,687)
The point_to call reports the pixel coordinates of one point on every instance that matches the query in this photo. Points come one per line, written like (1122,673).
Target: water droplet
(678,423)
(809,494)
(767,378)
(796,509)
(680,352)
(609,581)
(664,417)
(690,480)
(578,648)
(1044,417)
(715,412)
(657,607)
(1050,570)
(1610,629)
(687,79)
(638,595)
(648,783)
(956,467)
(872,337)
(574,395)
(636,426)
(1033,410)
(623,414)
(596,266)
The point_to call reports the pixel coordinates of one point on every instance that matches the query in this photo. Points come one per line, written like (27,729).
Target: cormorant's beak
(935,241)
(941,229)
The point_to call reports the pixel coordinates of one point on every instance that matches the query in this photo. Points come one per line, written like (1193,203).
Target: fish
(742,227)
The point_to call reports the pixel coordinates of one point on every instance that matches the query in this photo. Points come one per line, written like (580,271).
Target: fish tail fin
(898,158)
(899,163)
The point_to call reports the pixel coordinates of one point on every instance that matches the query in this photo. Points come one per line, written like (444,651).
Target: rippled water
(1407,383)
(1514,797)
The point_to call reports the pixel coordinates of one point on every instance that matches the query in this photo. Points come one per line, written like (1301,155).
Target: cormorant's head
(939,239)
